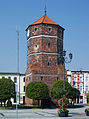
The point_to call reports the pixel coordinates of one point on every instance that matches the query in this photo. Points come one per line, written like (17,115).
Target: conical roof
(44,19)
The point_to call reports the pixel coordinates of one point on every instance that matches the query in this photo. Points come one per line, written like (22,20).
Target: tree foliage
(7,89)
(37,90)
(58,90)
(75,93)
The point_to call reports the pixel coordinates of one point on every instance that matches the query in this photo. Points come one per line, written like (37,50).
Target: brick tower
(44,45)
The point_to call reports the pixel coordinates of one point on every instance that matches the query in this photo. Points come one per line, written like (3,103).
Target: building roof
(10,73)
(44,19)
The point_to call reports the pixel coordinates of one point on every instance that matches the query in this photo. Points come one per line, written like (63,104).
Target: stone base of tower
(43,103)
(30,102)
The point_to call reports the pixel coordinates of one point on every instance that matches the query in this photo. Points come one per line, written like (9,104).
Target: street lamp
(16,88)
(64,60)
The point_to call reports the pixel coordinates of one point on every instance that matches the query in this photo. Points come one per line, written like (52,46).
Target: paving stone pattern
(77,113)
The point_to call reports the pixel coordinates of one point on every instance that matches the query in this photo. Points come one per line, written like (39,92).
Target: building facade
(80,80)
(44,45)
(19,80)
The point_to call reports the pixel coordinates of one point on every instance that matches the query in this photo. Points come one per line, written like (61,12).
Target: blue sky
(73,15)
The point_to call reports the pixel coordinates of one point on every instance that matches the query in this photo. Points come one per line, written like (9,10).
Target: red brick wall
(44,65)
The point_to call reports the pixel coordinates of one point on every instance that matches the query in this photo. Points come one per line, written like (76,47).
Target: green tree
(37,90)
(58,89)
(7,90)
(75,93)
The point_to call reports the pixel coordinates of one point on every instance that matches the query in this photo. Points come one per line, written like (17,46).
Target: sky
(73,15)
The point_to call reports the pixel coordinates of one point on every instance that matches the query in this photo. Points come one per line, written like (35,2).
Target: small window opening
(24,89)
(41,78)
(15,79)
(35,46)
(35,29)
(48,63)
(24,79)
(57,78)
(50,29)
(48,44)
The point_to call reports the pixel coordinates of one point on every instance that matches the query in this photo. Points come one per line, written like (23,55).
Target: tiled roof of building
(44,19)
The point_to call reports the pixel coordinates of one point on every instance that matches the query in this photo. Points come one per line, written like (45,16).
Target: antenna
(45,10)
(17,50)
(17,31)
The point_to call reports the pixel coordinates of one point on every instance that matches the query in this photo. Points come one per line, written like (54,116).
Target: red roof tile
(44,19)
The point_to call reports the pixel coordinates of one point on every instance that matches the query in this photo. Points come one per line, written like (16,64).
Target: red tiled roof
(44,19)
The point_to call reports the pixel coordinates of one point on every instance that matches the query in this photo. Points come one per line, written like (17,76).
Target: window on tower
(50,29)
(36,29)
(48,45)
(48,63)
(36,46)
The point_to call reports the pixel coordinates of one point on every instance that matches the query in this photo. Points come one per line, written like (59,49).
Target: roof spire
(45,10)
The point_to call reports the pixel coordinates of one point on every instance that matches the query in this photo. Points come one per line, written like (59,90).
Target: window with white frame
(80,79)
(86,89)
(75,86)
(75,78)
(80,89)
(86,78)
(15,79)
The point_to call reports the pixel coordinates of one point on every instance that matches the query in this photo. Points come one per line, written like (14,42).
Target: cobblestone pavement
(77,113)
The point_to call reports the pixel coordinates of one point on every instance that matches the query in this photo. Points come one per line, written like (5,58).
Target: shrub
(9,103)
(87,110)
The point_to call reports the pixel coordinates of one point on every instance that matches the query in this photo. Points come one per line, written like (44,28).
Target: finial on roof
(45,10)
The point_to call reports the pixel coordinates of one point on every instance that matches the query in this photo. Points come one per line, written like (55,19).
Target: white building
(19,80)
(80,80)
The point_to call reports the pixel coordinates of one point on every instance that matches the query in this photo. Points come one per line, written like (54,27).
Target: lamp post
(64,60)
(16,88)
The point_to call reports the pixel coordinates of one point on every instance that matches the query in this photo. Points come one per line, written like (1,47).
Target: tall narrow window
(86,78)
(86,89)
(15,79)
(80,79)
(41,78)
(48,45)
(50,29)
(36,29)
(24,79)
(80,89)
(48,63)
(24,89)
